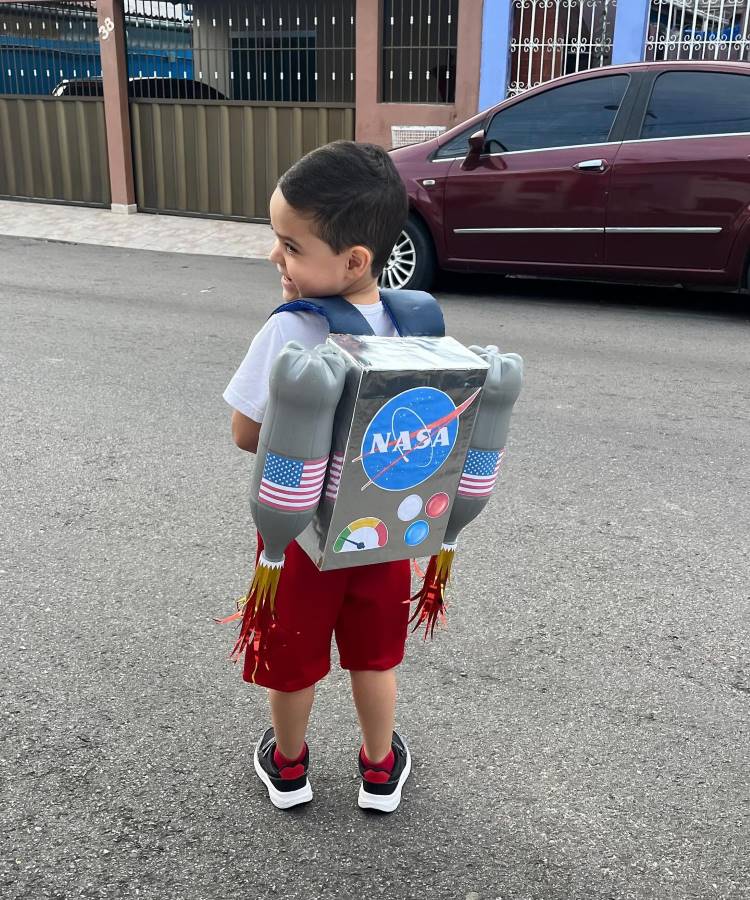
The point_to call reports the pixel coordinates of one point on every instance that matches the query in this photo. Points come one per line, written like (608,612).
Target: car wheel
(411,265)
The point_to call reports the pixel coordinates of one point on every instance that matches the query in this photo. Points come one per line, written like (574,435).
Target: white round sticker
(410,507)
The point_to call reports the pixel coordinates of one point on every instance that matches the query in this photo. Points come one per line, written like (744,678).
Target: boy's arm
(247,392)
(245,432)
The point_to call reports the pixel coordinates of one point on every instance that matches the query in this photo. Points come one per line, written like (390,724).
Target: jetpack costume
(375,449)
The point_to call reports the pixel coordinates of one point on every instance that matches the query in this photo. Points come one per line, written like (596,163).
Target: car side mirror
(476,143)
(476,148)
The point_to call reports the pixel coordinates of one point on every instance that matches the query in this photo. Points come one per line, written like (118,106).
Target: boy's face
(307,265)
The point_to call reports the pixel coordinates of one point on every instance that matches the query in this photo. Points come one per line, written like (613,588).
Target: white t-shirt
(248,389)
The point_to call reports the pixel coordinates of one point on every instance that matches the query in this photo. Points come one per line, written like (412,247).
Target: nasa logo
(409,439)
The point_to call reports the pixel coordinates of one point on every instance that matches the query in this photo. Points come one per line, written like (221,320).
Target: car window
(686,103)
(91,89)
(458,145)
(579,113)
(171,89)
(79,88)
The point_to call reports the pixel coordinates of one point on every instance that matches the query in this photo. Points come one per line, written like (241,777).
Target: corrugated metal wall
(53,149)
(224,159)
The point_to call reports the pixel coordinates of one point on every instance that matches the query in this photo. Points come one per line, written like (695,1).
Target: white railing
(698,29)
(404,135)
(558,37)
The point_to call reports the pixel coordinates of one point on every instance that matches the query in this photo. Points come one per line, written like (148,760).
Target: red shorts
(366,607)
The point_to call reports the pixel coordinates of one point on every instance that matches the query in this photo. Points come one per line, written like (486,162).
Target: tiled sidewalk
(171,234)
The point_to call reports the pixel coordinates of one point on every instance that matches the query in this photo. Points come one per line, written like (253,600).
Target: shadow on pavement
(603,294)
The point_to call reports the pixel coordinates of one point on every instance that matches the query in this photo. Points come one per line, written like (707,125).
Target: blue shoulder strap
(343,317)
(413,313)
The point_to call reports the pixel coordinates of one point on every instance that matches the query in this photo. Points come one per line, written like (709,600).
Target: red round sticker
(437,505)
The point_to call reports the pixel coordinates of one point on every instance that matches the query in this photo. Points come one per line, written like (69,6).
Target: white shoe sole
(385,802)
(282,799)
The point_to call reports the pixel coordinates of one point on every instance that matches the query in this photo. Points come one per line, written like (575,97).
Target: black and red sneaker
(287,785)
(381,788)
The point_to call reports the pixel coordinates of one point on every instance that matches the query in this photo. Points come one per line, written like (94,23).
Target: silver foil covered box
(400,438)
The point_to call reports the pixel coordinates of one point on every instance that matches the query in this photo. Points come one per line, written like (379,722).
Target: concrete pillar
(111,19)
(631,25)
(468,58)
(374,118)
(367,68)
(497,23)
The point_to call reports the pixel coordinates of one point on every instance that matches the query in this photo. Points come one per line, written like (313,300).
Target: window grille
(558,37)
(299,51)
(43,45)
(404,135)
(419,51)
(698,29)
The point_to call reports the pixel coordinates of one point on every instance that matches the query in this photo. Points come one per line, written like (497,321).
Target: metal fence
(419,51)
(53,149)
(45,44)
(698,29)
(285,51)
(224,159)
(558,37)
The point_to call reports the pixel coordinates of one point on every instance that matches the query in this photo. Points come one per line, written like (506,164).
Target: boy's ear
(360,261)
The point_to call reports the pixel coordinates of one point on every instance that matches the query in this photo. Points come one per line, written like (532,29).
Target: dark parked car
(155,88)
(637,173)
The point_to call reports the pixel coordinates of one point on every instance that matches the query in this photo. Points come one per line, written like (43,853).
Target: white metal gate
(558,37)
(698,29)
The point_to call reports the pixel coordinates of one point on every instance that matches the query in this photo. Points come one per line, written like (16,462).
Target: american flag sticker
(293,485)
(334,476)
(480,472)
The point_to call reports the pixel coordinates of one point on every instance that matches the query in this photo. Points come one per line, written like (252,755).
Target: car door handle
(592,165)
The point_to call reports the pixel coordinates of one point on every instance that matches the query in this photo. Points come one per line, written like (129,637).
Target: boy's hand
(245,432)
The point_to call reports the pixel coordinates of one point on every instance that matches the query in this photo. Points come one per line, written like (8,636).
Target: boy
(336,215)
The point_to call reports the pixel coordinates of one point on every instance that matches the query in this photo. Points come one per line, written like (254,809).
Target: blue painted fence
(631,23)
(37,66)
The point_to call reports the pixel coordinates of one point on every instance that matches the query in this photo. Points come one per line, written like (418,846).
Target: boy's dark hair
(353,194)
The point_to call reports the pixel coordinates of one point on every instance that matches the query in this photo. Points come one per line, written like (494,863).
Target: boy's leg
(374,696)
(293,656)
(371,632)
(281,758)
(384,760)
(295,653)
(290,713)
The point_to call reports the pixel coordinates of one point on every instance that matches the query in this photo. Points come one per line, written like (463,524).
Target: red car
(635,173)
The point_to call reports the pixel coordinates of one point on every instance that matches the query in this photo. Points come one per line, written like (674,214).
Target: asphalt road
(579,731)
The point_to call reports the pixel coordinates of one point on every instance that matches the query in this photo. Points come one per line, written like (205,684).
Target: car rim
(401,263)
